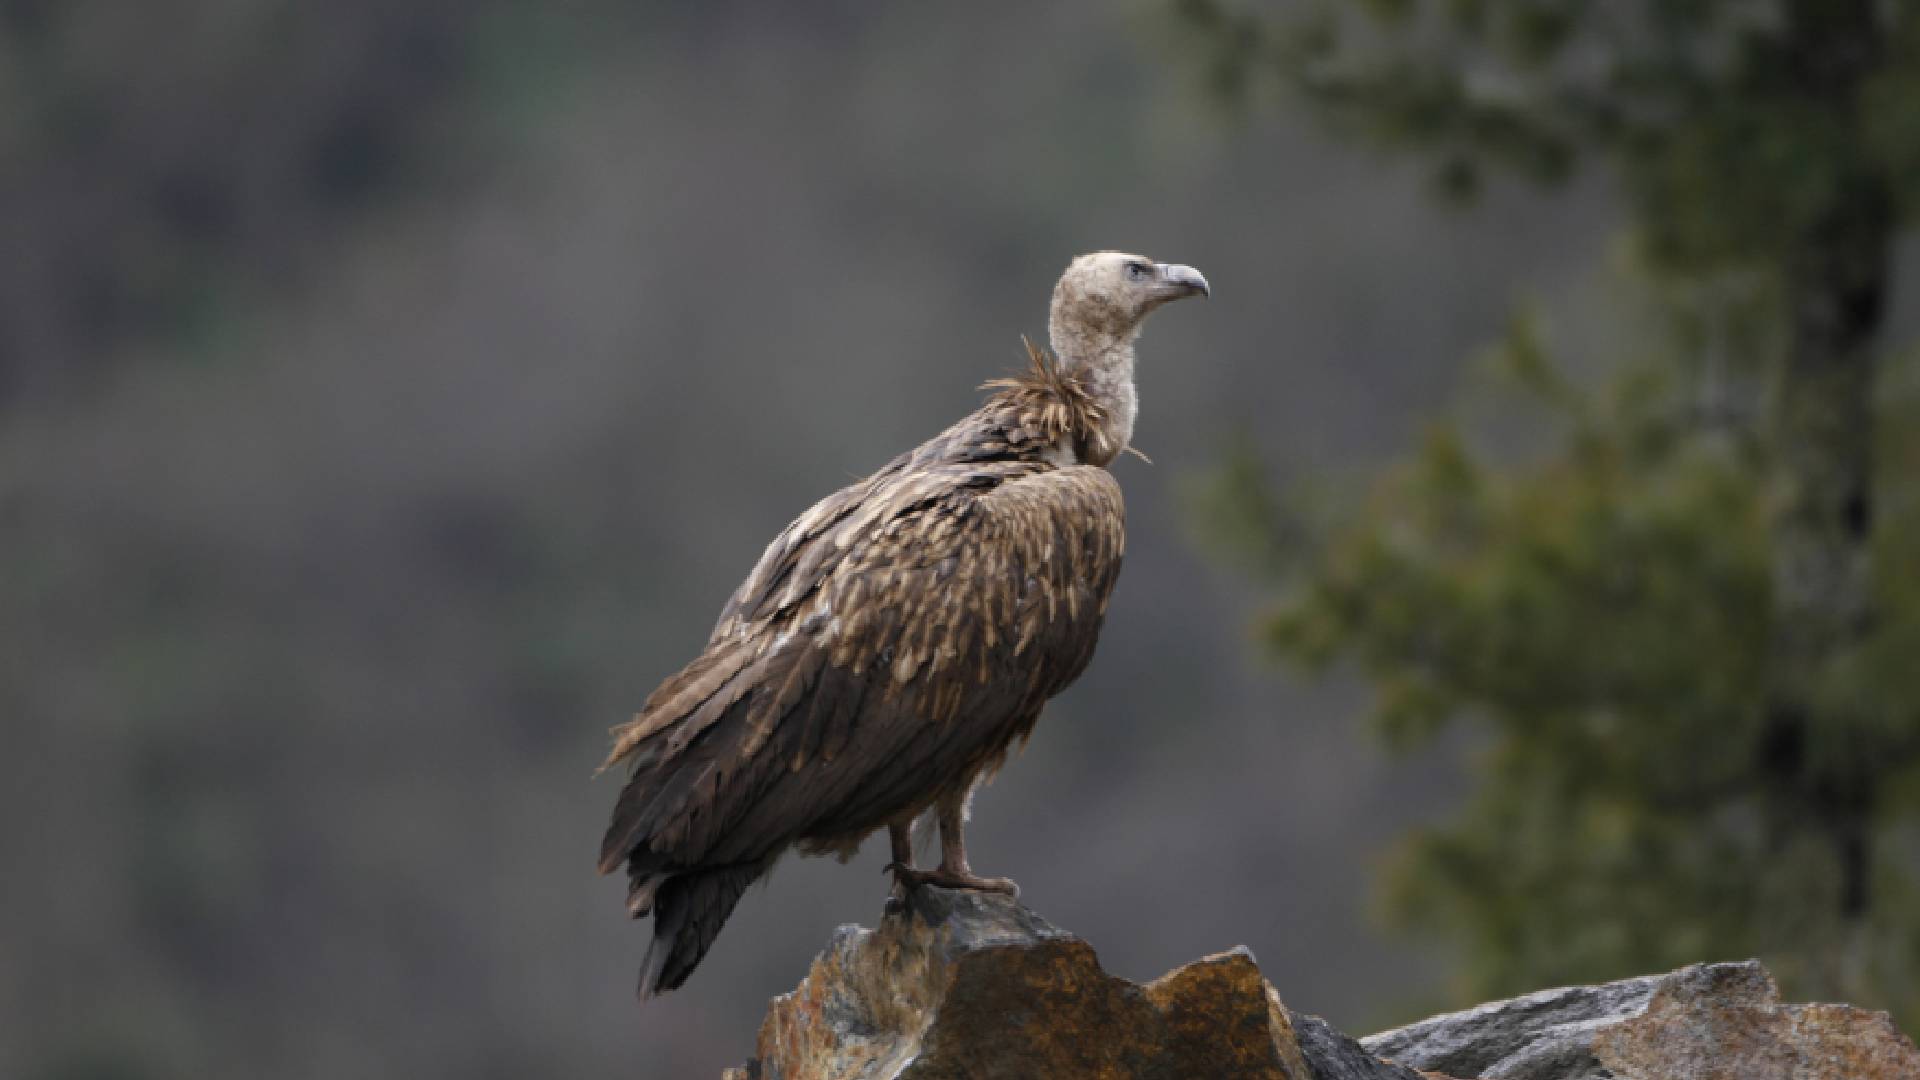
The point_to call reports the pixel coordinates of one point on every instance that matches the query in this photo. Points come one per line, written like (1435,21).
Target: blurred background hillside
(390,394)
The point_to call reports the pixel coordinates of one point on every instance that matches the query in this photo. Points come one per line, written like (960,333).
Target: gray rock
(1545,1034)
(1334,1055)
(1704,1022)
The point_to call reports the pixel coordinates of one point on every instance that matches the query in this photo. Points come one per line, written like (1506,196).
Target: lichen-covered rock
(971,985)
(1704,1022)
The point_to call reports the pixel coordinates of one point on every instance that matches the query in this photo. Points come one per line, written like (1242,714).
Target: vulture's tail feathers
(653,811)
(688,911)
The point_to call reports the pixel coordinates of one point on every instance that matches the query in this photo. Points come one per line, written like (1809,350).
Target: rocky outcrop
(970,985)
(1704,1022)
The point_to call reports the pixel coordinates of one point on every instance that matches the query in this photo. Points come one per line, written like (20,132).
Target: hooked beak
(1178,281)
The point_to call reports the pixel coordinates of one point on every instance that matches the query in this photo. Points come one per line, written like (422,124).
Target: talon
(1001,885)
(954,879)
(902,886)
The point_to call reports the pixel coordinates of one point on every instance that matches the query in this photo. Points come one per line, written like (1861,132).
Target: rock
(972,985)
(1704,1022)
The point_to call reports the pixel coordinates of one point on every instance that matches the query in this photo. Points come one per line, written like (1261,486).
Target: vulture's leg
(900,836)
(953,871)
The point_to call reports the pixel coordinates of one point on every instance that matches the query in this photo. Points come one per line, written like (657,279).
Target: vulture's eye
(1136,271)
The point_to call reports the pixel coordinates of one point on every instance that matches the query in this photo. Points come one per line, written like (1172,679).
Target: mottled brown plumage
(896,640)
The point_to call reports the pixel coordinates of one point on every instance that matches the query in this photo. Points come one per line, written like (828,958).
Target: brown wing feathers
(893,640)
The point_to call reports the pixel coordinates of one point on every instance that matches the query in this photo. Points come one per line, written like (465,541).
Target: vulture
(896,639)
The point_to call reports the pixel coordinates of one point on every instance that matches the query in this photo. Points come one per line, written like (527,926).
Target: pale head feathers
(1097,309)
(1103,296)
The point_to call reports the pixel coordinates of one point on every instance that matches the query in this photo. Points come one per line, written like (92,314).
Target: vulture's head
(1103,296)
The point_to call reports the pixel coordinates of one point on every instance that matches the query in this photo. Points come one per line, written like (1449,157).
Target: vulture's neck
(1101,359)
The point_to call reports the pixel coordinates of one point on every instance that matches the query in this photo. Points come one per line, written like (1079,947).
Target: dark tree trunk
(1822,435)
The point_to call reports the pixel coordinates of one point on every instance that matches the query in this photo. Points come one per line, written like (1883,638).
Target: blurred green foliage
(1691,754)
(1603,611)
(1701,107)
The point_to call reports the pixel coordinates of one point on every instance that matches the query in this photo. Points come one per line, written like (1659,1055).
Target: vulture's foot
(907,878)
(897,894)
